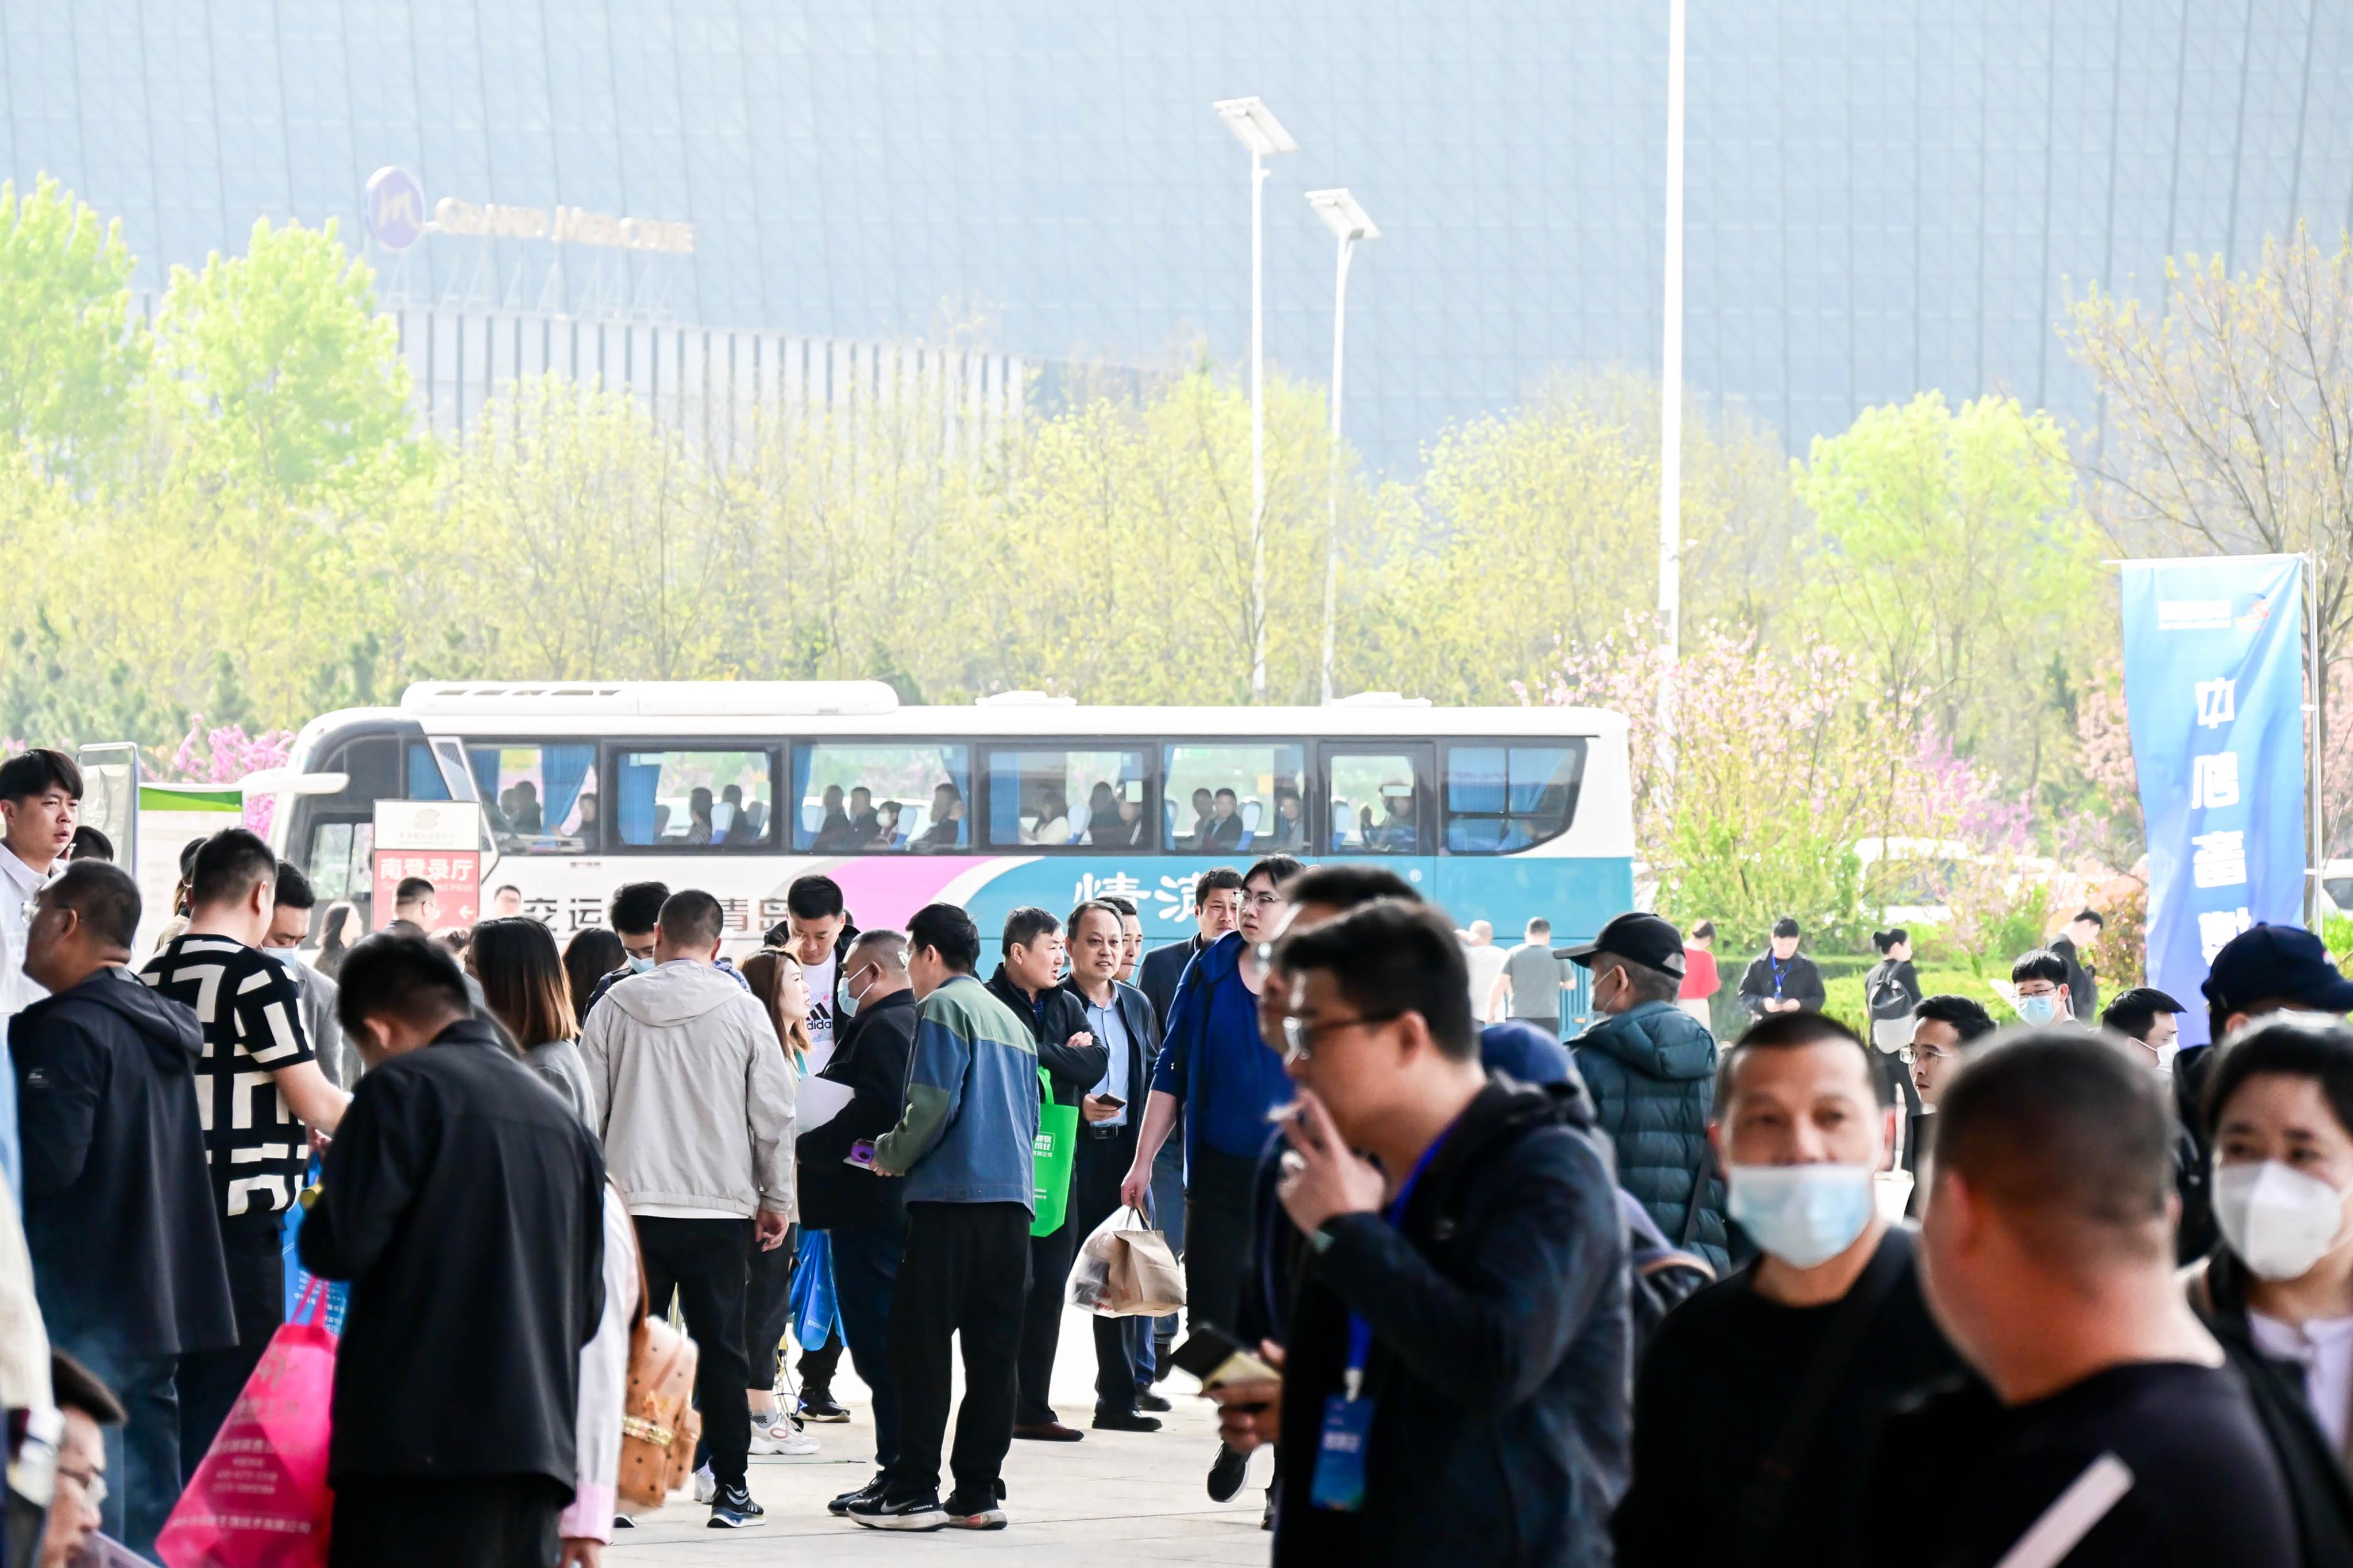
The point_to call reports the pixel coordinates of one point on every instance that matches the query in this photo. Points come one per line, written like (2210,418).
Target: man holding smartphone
(1120,1016)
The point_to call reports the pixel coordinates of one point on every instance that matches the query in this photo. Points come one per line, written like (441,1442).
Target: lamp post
(1346,218)
(1257,128)
(1671,408)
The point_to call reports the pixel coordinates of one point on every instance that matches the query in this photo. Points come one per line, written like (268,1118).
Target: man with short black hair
(695,1106)
(963,1145)
(1770,1383)
(1528,988)
(1457,1348)
(119,1223)
(416,906)
(2083,985)
(506,901)
(1072,1058)
(76,1515)
(2107,1428)
(2143,1021)
(258,1086)
(1781,979)
(817,932)
(464,1203)
(2039,983)
(289,927)
(1650,1067)
(635,914)
(2150,1020)
(40,795)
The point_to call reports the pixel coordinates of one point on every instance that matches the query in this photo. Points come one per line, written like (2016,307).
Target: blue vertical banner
(2214,691)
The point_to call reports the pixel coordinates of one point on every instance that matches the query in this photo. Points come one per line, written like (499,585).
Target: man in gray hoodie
(694,1103)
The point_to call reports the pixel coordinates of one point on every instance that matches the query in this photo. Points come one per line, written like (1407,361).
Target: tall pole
(1671,407)
(1258,426)
(1332,478)
(2315,815)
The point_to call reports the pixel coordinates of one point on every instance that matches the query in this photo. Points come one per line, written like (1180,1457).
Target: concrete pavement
(1116,1495)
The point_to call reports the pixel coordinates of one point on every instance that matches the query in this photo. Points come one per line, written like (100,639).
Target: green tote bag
(1051,1158)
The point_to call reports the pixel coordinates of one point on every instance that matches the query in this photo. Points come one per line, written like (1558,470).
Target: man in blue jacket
(1651,1069)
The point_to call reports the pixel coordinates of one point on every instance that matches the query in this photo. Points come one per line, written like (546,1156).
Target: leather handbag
(658,1424)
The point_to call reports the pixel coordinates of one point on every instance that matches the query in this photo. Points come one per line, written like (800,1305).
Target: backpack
(1885,994)
(1660,1274)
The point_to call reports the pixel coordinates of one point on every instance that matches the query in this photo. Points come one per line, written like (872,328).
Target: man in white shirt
(1486,961)
(818,932)
(40,796)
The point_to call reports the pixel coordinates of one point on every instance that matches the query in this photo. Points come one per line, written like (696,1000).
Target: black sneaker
(1147,1400)
(1226,1474)
(817,1404)
(1125,1421)
(975,1513)
(842,1505)
(623,1522)
(733,1508)
(903,1510)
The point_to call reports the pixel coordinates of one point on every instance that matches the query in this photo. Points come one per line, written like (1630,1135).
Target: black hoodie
(117,1206)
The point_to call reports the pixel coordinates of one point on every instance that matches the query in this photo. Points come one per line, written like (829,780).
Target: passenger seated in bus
(1398,835)
(1102,806)
(526,814)
(698,815)
(1290,831)
(886,826)
(662,820)
(1053,824)
(1204,811)
(946,831)
(744,825)
(586,828)
(723,816)
(834,836)
(863,824)
(1129,834)
(1225,828)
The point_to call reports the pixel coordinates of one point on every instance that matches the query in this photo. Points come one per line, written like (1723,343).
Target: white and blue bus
(1501,814)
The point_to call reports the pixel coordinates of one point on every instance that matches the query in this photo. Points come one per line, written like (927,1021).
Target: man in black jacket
(1457,1349)
(1781,979)
(862,1211)
(1073,1062)
(1121,1017)
(466,1205)
(119,1219)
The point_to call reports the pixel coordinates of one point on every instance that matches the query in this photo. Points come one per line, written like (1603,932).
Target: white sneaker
(781,1433)
(706,1485)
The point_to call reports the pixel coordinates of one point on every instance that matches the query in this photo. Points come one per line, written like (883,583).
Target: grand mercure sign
(396,220)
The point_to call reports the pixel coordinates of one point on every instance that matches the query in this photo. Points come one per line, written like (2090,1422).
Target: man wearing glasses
(1942,1027)
(87,1406)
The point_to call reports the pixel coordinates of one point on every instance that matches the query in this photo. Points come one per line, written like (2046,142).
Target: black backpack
(1886,995)
(1660,1275)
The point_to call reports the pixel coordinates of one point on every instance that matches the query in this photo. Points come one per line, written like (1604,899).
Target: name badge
(1340,1464)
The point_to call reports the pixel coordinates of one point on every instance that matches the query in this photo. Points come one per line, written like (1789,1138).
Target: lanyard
(1360,1332)
(1780,973)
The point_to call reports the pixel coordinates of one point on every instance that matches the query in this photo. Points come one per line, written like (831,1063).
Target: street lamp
(1346,218)
(1670,409)
(1257,128)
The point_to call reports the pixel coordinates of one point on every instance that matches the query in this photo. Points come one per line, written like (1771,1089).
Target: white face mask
(1802,1215)
(2280,1222)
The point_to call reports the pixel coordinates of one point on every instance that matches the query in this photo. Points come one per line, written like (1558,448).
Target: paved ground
(1117,1495)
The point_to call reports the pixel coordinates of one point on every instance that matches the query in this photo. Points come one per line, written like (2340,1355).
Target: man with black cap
(1651,1067)
(1781,979)
(2264,969)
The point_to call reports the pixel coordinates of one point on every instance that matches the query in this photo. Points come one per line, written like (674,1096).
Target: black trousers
(865,1276)
(1041,1321)
(254,1245)
(1101,1163)
(965,1273)
(702,1261)
(448,1521)
(1216,1236)
(768,1307)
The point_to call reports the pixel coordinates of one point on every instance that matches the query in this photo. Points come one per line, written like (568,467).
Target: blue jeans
(865,1272)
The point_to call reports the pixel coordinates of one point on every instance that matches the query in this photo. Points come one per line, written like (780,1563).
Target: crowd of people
(1938,1293)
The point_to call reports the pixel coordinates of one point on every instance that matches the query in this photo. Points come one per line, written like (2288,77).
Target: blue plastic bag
(298,1279)
(813,1317)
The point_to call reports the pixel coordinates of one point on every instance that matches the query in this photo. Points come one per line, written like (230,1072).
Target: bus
(1500,814)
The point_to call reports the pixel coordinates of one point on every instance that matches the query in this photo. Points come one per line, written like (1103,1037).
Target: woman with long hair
(525,989)
(337,931)
(588,957)
(776,980)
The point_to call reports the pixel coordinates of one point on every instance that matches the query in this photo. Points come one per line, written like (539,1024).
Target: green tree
(69,352)
(296,381)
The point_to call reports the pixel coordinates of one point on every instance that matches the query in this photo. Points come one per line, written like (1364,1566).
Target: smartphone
(1217,1359)
(1114,1101)
(861,1154)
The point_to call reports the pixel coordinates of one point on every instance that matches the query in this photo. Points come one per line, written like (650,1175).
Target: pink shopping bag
(260,1498)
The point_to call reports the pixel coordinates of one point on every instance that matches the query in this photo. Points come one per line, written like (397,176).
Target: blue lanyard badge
(1348,1415)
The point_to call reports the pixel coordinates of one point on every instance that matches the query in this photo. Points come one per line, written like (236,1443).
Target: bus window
(1219,799)
(537,800)
(1052,798)
(691,800)
(1375,805)
(864,797)
(1502,798)
(424,780)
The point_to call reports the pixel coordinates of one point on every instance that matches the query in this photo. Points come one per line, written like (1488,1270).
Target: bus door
(1379,801)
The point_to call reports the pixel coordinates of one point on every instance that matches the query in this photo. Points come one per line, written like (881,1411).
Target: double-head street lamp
(1346,218)
(1257,128)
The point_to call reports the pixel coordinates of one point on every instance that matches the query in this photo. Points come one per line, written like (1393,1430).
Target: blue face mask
(2038,1009)
(1802,1215)
(291,957)
(639,965)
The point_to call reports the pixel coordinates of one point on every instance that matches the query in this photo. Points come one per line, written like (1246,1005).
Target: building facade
(1885,194)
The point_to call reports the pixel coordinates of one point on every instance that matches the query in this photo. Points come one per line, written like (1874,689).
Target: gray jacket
(693,1099)
(336,1057)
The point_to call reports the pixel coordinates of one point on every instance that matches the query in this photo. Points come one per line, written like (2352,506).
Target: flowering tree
(224,753)
(1784,764)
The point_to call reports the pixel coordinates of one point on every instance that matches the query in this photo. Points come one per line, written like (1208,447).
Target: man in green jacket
(1651,1069)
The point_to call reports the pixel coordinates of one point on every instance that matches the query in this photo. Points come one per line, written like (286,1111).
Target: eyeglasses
(93,1484)
(1911,1054)
(1300,1034)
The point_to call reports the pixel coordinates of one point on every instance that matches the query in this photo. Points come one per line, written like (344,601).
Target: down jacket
(1652,1072)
